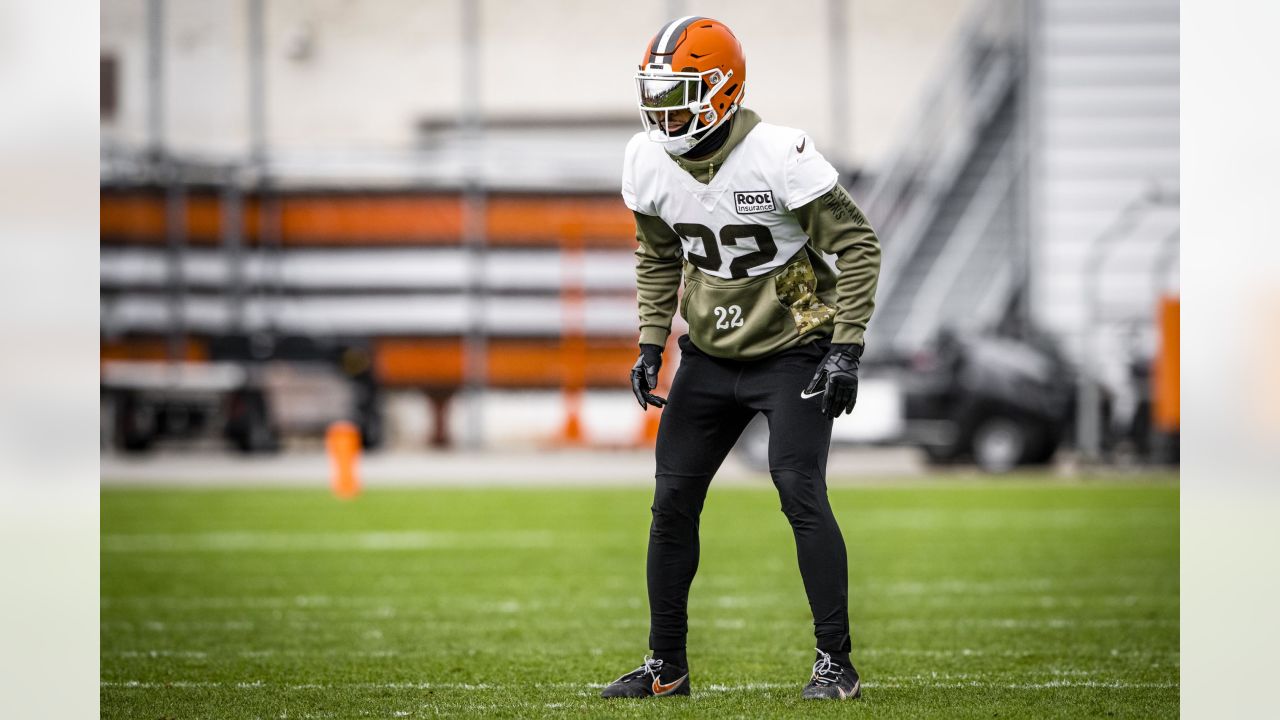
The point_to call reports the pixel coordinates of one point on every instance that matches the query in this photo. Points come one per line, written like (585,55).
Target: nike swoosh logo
(800,147)
(660,689)
(806,395)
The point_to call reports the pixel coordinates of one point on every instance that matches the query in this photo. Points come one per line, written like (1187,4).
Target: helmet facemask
(665,96)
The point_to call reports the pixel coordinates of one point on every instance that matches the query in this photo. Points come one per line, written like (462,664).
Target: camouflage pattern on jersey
(796,286)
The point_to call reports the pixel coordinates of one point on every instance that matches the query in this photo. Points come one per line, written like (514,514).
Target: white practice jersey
(740,224)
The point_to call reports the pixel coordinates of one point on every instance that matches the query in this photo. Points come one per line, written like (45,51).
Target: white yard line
(978,652)
(133,654)
(1054,623)
(888,682)
(336,542)
(863,652)
(443,621)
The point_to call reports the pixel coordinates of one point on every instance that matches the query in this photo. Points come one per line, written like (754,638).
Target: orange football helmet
(691,80)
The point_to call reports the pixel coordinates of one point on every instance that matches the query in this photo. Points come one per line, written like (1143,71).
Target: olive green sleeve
(835,225)
(659,265)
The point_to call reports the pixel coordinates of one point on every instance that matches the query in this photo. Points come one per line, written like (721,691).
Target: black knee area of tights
(675,511)
(804,501)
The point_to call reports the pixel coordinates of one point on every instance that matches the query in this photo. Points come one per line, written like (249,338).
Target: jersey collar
(744,122)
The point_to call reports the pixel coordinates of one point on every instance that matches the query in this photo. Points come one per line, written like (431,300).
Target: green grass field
(969,599)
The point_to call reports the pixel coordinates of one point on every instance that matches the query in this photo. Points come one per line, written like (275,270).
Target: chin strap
(682,146)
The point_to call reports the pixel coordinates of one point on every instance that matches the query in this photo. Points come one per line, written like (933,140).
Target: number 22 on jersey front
(728,318)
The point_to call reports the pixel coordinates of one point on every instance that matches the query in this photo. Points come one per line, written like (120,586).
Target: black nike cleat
(653,679)
(832,681)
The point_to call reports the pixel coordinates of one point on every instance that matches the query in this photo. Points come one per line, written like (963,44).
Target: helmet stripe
(668,43)
(665,41)
(657,41)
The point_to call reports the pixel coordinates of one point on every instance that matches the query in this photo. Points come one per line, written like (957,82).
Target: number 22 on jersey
(741,266)
(728,318)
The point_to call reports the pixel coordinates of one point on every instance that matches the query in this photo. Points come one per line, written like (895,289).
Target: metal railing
(1124,227)
(975,74)
(929,306)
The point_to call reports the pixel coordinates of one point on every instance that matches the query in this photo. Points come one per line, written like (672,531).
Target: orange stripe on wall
(132,217)
(341,220)
(418,362)
(510,363)
(141,218)
(552,219)
(397,219)
(151,349)
(204,219)
(437,362)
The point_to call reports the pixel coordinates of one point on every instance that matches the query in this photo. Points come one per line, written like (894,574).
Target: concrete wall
(359,76)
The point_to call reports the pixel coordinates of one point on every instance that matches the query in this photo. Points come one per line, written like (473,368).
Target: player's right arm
(658,252)
(658,271)
(659,265)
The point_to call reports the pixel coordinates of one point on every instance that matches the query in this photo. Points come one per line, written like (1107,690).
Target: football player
(742,210)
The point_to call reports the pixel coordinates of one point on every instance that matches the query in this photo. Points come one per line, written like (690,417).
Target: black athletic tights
(710,403)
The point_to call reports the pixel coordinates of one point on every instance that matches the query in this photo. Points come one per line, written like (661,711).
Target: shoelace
(650,667)
(826,672)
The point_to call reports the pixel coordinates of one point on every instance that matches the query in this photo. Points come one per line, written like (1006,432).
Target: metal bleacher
(1045,125)
(946,206)
(1036,191)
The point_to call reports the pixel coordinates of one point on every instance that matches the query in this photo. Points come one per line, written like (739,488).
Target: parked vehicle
(251,393)
(998,401)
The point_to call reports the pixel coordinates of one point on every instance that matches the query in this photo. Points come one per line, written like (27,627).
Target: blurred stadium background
(406,215)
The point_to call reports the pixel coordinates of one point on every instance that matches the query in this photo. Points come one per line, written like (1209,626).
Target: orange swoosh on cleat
(660,689)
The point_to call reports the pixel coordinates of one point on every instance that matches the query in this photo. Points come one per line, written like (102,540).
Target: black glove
(837,380)
(644,376)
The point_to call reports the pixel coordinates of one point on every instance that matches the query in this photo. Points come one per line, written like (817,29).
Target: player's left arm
(836,225)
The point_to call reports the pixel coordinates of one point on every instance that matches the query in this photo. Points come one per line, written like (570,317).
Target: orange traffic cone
(343,444)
